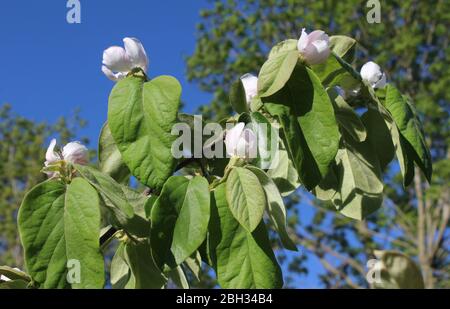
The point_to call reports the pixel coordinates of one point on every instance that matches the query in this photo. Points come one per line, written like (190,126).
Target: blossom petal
(302,41)
(250,83)
(116,59)
(136,53)
(52,156)
(232,138)
(75,152)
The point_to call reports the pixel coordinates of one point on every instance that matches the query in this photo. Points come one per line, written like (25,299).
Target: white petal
(381,83)
(136,53)
(371,73)
(302,41)
(232,138)
(246,147)
(51,156)
(116,59)
(113,76)
(4,278)
(317,35)
(250,83)
(75,152)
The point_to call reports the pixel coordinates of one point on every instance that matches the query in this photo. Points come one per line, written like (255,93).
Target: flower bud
(241,142)
(314,47)
(250,83)
(75,152)
(371,73)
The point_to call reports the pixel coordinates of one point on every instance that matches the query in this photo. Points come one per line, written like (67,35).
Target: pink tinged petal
(303,41)
(51,156)
(250,83)
(136,53)
(232,138)
(317,35)
(116,59)
(75,152)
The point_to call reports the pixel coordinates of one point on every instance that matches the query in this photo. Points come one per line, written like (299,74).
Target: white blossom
(119,61)
(314,47)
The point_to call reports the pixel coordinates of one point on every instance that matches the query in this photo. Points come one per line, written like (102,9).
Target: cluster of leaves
(215,214)
(411,45)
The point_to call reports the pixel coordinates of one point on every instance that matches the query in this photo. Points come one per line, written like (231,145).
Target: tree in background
(22,149)
(234,38)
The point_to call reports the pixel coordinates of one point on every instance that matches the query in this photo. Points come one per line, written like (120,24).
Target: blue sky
(49,67)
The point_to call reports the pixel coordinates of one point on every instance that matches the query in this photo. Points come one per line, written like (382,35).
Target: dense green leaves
(361,186)
(410,128)
(120,273)
(245,197)
(109,157)
(275,207)
(306,115)
(397,271)
(144,270)
(141,115)
(125,205)
(59,225)
(349,120)
(276,71)
(379,137)
(284,174)
(180,220)
(241,259)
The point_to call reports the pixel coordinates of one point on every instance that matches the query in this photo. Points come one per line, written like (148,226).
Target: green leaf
(241,259)
(238,99)
(335,71)
(180,219)
(275,72)
(275,207)
(14,274)
(398,271)
(143,267)
(125,205)
(379,137)
(140,116)
(81,232)
(406,118)
(59,224)
(361,185)
(194,264)
(13,284)
(349,120)
(178,277)
(311,134)
(245,197)
(121,276)
(327,189)
(283,47)
(343,46)
(110,159)
(284,174)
